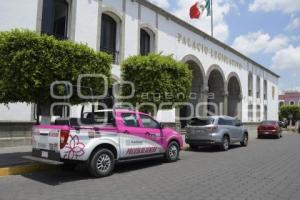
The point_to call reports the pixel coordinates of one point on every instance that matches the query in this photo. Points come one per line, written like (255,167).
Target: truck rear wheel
(102,163)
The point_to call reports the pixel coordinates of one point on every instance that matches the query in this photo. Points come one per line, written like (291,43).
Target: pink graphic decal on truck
(75,148)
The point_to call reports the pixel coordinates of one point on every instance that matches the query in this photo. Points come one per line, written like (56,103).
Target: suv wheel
(102,163)
(172,153)
(225,143)
(244,142)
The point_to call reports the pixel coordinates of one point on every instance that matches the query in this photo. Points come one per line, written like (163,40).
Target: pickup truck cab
(103,138)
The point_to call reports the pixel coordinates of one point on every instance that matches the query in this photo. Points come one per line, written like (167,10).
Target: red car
(269,128)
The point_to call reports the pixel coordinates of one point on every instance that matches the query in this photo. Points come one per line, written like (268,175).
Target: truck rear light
(64,135)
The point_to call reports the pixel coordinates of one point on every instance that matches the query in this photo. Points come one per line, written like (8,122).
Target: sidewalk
(12,156)
(13,163)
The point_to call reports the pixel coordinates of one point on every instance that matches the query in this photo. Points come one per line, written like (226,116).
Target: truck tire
(102,163)
(172,152)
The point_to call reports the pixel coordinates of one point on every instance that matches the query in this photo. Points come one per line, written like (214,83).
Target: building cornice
(201,33)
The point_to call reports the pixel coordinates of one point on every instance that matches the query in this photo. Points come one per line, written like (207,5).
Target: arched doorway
(196,91)
(234,96)
(216,91)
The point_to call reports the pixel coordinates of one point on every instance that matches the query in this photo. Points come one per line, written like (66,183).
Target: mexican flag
(198,9)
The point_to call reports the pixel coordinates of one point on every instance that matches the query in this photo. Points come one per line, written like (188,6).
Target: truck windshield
(201,122)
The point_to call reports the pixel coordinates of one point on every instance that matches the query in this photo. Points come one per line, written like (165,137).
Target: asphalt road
(266,169)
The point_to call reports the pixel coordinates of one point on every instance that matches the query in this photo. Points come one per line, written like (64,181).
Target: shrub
(157,79)
(30,61)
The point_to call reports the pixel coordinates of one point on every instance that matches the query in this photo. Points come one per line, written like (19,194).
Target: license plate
(266,132)
(44,154)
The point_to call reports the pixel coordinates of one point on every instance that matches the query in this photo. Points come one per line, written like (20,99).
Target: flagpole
(212,18)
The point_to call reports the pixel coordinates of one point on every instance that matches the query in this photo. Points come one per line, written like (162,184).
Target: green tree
(290,110)
(30,62)
(157,79)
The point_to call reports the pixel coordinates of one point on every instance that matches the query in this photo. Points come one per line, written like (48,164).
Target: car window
(268,123)
(201,122)
(227,122)
(102,117)
(237,122)
(148,122)
(129,119)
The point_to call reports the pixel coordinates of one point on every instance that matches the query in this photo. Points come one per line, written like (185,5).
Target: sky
(267,31)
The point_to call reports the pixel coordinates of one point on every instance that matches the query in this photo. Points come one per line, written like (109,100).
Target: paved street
(266,169)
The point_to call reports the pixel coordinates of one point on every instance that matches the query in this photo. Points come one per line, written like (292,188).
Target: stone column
(240,106)
(204,100)
(225,110)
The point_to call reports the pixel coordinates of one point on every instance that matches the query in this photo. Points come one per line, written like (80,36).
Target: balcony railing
(113,53)
(57,36)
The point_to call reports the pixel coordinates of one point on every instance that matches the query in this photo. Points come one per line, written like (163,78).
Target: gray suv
(215,130)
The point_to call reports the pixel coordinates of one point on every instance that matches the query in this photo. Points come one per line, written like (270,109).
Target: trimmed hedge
(30,61)
(156,75)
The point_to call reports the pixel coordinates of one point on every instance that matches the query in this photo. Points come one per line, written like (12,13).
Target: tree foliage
(290,110)
(30,61)
(157,79)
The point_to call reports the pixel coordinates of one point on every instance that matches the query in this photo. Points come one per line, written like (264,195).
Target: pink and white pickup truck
(103,138)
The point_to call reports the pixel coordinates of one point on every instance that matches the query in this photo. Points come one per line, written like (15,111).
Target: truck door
(133,139)
(152,129)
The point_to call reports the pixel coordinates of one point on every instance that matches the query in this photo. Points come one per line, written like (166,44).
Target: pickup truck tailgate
(46,142)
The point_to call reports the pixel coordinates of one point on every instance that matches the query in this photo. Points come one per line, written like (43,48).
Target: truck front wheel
(172,153)
(102,163)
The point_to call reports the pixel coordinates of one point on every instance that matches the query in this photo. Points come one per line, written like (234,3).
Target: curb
(22,169)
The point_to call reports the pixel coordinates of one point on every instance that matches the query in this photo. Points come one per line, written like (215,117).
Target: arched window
(258,116)
(109,36)
(265,90)
(55,18)
(265,112)
(258,87)
(145,40)
(250,84)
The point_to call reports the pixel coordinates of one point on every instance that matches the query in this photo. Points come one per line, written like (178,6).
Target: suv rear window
(227,122)
(201,122)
